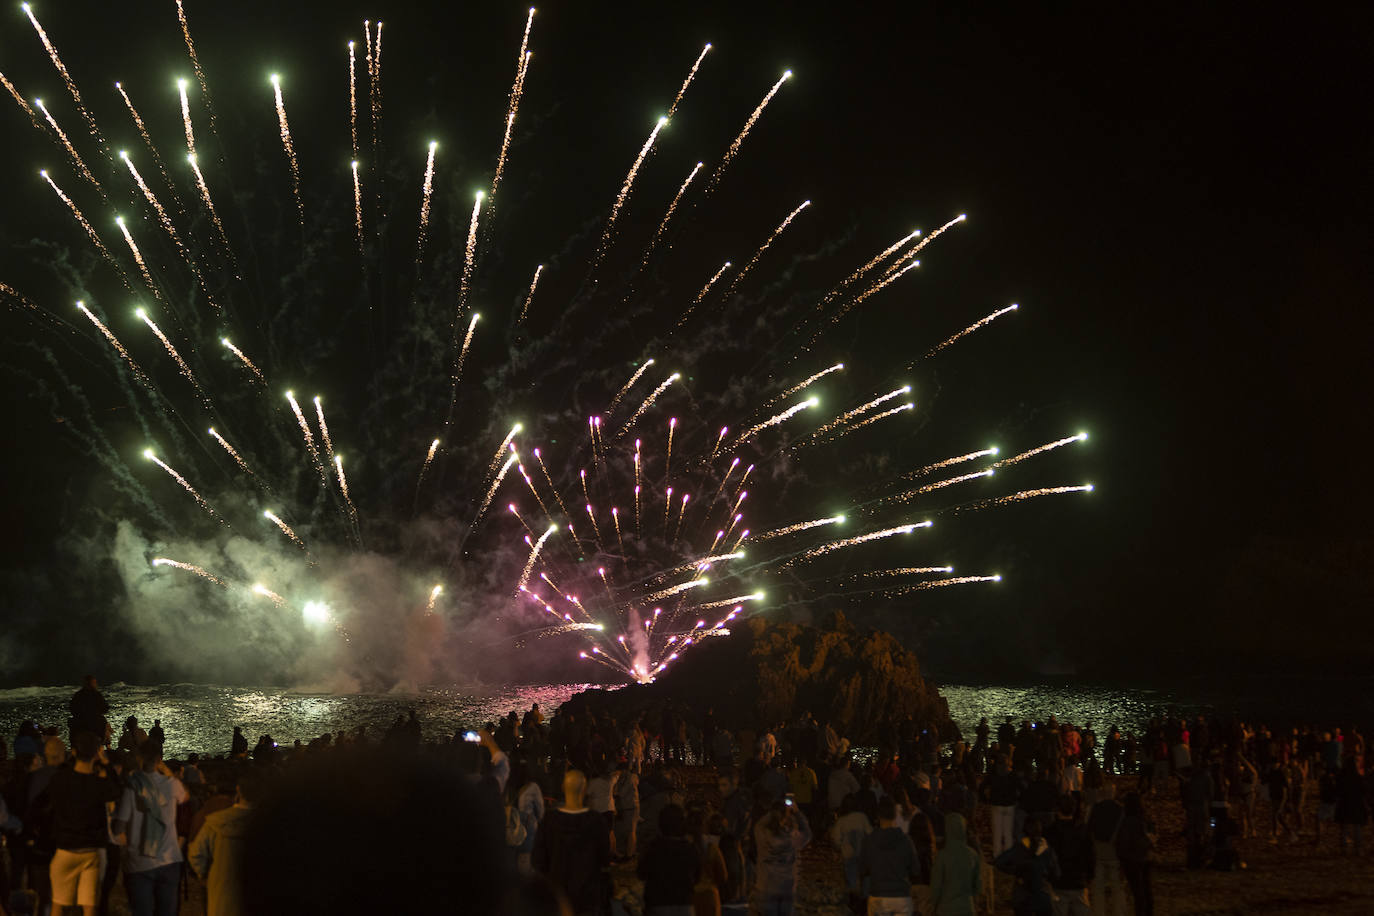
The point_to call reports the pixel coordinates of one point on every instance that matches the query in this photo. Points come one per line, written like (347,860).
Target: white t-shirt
(168,851)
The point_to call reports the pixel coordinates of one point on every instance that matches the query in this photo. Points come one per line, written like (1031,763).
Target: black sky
(1178,197)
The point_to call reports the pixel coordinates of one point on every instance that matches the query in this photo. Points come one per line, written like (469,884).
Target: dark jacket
(669,868)
(1073,847)
(574,850)
(1034,867)
(889,858)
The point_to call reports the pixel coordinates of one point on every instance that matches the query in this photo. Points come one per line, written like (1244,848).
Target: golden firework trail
(675,590)
(861,409)
(469,255)
(740,540)
(20,100)
(305,429)
(324,428)
(147,139)
(71,150)
(242,358)
(949,462)
(80,217)
(724,602)
(463,353)
(973,327)
(209,204)
(862,271)
(624,194)
(667,505)
(189,567)
(433,597)
(739,277)
(691,74)
(556,495)
(358,206)
(838,367)
(733,522)
(596,529)
(168,227)
(374,76)
(343,488)
(495,485)
(625,389)
(185,484)
(524,309)
(267,593)
(516,91)
(851,542)
(941,583)
(510,507)
(429,458)
(138,258)
(288,145)
(648,402)
(285,528)
(503,448)
(195,63)
(119,347)
(668,462)
(905,571)
(909,405)
(716,447)
(748,126)
(534,491)
(696,300)
(425,194)
(353,99)
(916,249)
(948,482)
(800,526)
(615,516)
(66,77)
(1028,494)
(672,208)
(238,459)
(186,124)
(172,351)
(775,420)
(1048,446)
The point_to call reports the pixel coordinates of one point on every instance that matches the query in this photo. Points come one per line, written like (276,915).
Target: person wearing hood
(778,837)
(216,853)
(1034,865)
(957,875)
(889,860)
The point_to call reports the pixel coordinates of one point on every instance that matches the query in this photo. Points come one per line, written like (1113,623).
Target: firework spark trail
(672,208)
(625,389)
(285,528)
(624,194)
(941,583)
(861,409)
(941,484)
(186,124)
(724,602)
(615,516)
(243,359)
(181,363)
(739,277)
(425,194)
(20,100)
(534,491)
(190,567)
(851,542)
(667,505)
(353,98)
(195,64)
(904,571)
(238,459)
(916,249)
(324,428)
(648,402)
(691,74)
(524,309)
(429,457)
(80,217)
(71,150)
(469,257)
(66,77)
(973,327)
(696,300)
(148,142)
(358,207)
(138,258)
(185,484)
(1007,462)
(433,597)
(775,420)
(909,405)
(288,145)
(463,353)
(266,592)
(1025,494)
(305,431)
(800,526)
(374,76)
(119,347)
(343,488)
(556,495)
(838,367)
(668,462)
(674,590)
(748,126)
(503,448)
(863,271)
(949,462)
(169,228)
(716,446)
(209,204)
(495,485)
(517,90)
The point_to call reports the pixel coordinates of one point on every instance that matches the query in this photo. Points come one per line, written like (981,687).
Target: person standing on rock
(88,711)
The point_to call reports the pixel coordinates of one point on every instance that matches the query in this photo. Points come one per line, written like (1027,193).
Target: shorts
(76,875)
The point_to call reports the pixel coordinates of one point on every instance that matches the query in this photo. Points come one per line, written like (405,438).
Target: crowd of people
(528,815)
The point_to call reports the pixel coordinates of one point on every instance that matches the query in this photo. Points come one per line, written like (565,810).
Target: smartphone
(472,736)
(789,800)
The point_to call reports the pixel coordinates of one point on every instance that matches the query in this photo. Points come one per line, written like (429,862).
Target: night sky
(1179,200)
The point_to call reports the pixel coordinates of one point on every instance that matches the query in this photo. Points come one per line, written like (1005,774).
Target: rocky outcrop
(863,682)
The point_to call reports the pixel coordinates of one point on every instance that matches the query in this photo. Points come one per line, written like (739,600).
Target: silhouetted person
(88,711)
(157,734)
(217,852)
(669,866)
(239,746)
(573,848)
(1033,864)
